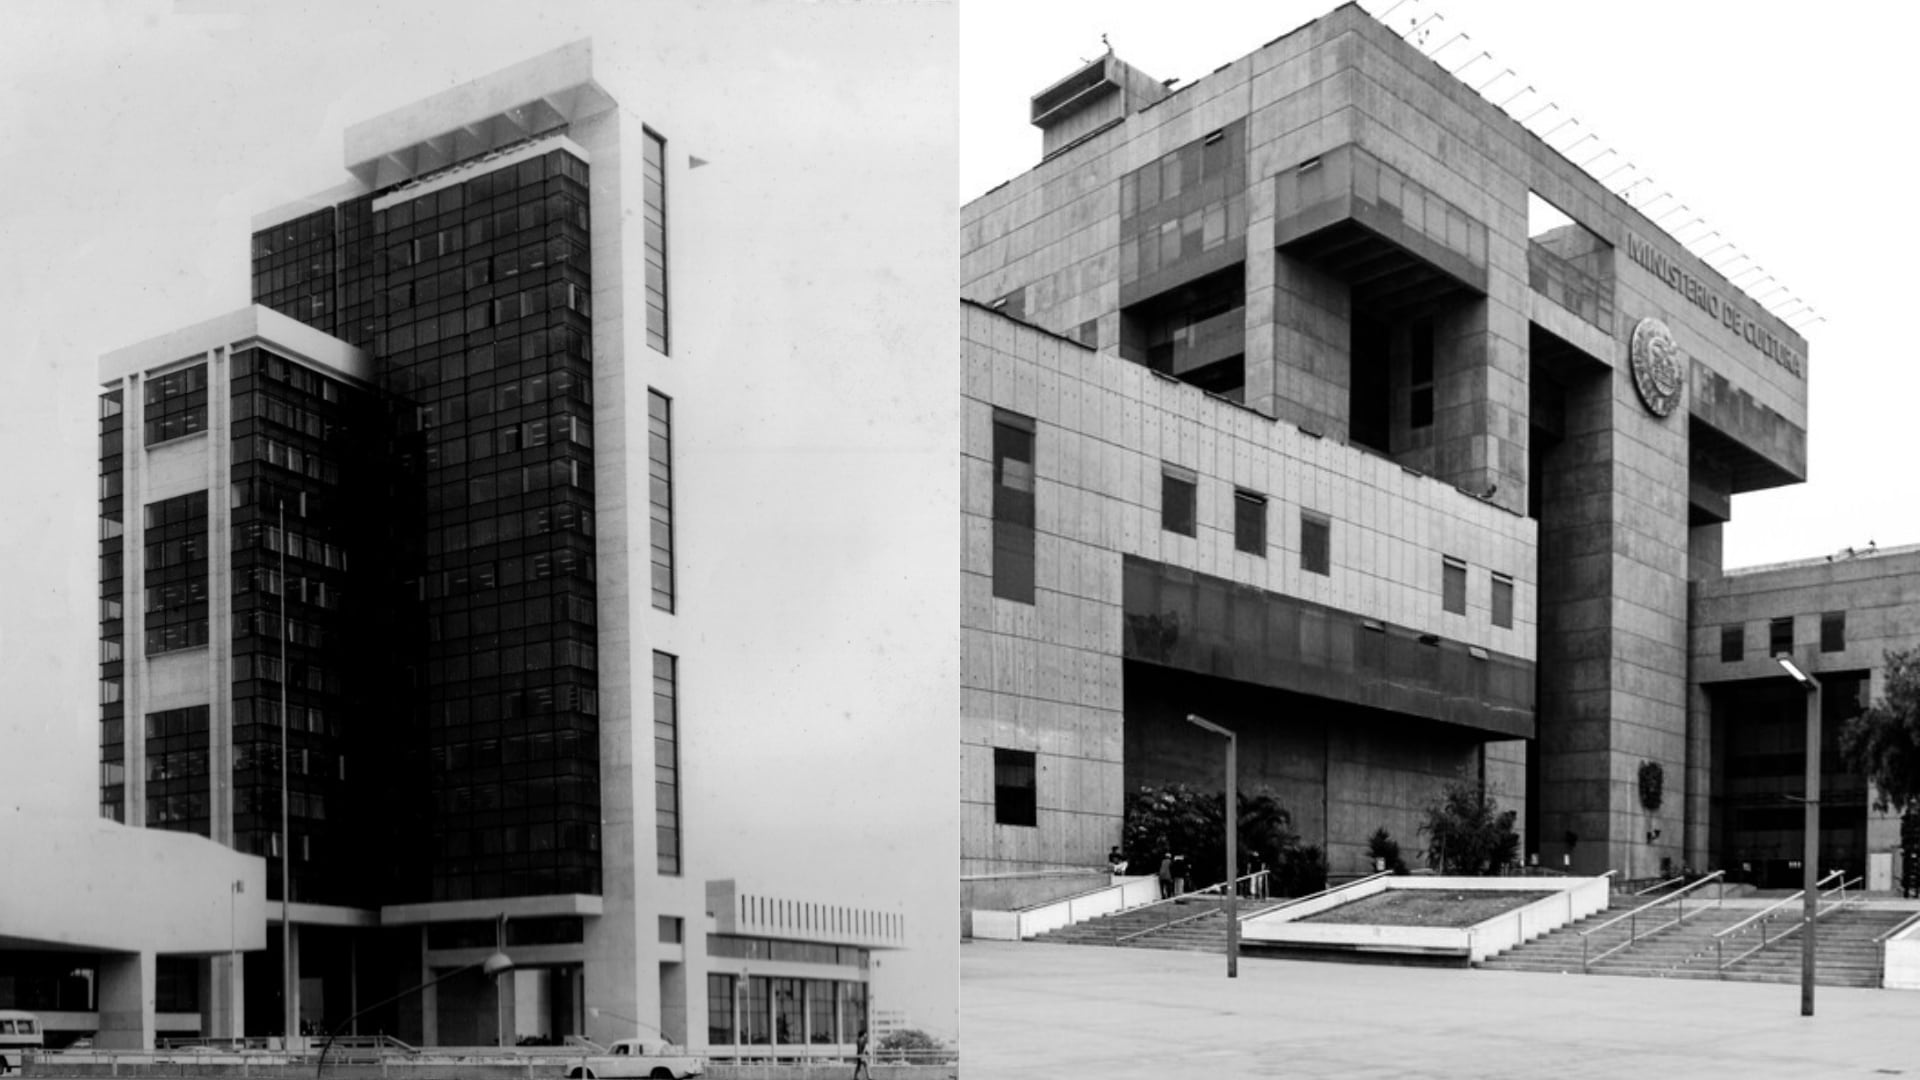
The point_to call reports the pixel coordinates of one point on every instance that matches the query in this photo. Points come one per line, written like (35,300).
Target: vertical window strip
(655,192)
(666,761)
(660,495)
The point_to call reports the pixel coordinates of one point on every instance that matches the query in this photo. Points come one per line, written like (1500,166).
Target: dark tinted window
(1250,522)
(1013,787)
(1315,543)
(1833,631)
(1177,488)
(1780,636)
(1013,485)
(1502,600)
(1453,586)
(1733,643)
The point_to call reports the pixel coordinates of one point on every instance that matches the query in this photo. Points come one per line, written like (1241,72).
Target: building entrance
(1759,776)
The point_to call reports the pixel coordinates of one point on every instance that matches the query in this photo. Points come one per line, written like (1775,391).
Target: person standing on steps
(1166,876)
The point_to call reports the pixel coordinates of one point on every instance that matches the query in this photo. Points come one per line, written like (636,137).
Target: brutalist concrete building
(1324,400)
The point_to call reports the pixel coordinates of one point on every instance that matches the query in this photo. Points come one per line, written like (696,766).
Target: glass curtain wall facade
(473,297)
(299,439)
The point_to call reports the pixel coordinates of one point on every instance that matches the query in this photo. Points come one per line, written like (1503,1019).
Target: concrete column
(220,595)
(673,1002)
(1480,401)
(126,1002)
(429,999)
(224,1001)
(133,591)
(1307,378)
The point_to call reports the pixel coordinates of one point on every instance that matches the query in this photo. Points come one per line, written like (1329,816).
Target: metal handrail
(1721,963)
(1820,911)
(1245,915)
(1632,919)
(1659,885)
(1898,929)
(1770,908)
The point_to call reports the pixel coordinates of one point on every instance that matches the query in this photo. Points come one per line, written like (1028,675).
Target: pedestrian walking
(861,1070)
(1166,876)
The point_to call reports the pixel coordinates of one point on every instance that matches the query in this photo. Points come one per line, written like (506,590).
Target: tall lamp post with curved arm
(1810,857)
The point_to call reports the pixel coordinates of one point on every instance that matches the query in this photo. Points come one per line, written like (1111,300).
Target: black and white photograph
(1389,431)
(479,470)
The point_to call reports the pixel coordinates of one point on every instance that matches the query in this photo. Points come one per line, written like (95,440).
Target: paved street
(1062,1010)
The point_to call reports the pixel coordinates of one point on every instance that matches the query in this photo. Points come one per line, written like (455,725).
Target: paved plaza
(1069,1011)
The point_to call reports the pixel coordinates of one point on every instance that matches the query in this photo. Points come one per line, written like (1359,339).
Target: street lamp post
(289,1002)
(1232,824)
(1809,872)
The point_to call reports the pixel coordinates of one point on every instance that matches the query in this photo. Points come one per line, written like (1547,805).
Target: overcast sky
(142,139)
(1776,122)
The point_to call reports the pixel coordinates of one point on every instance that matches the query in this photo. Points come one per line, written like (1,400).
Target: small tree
(911,1043)
(1385,851)
(1883,743)
(1467,832)
(1176,819)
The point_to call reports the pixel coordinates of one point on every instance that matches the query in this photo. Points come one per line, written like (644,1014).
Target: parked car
(655,1059)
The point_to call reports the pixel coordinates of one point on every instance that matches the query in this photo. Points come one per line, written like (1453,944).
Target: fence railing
(1647,911)
(1760,920)
(1253,886)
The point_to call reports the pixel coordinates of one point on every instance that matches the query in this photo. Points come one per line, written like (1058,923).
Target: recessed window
(1178,488)
(1733,643)
(1316,543)
(1250,522)
(1420,375)
(1833,631)
(1780,636)
(660,495)
(1502,600)
(1013,504)
(1453,586)
(666,762)
(1014,787)
(654,200)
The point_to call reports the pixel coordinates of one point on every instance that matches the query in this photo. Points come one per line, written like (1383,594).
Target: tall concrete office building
(429,500)
(1321,398)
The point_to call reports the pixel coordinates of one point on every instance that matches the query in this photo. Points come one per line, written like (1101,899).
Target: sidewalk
(1063,1010)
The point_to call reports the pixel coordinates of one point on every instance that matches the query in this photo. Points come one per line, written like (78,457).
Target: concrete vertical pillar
(429,999)
(133,590)
(293,961)
(673,1002)
(1480,401)
(220,595)
(223,997)
(126,1001)
(1575,647)
(1307,379)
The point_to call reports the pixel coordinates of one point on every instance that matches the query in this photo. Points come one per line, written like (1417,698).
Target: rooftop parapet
(530,98)
(1091,99)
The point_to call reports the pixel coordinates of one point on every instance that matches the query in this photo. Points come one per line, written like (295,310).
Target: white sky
(1783,124)
(141,139)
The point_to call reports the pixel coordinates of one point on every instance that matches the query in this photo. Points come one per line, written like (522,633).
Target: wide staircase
(1190,923)
(1846,952)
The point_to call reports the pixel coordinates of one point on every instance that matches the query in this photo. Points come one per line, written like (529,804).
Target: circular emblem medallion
(1656,366)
